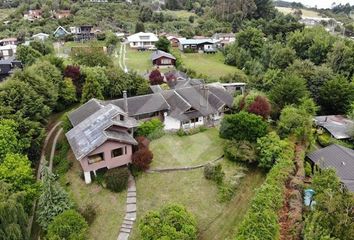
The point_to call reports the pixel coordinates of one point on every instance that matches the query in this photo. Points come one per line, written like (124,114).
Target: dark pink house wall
(108,161)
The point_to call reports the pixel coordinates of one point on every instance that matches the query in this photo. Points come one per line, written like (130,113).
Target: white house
(40,36)
(142,40)
(7,51)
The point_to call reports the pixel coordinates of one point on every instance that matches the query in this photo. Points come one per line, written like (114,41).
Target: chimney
(204,96)
(125,101)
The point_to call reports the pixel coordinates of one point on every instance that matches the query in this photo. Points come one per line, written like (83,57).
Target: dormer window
(121,117)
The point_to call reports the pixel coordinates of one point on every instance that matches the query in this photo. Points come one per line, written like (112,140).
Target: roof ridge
(343,149)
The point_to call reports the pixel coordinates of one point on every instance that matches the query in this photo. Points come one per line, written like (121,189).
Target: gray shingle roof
(84,111)
(156,88)
(338,157)
(177,104)
(158,53)
(194,96)
(219,91)
(337,125)
(91,132)
(142,104)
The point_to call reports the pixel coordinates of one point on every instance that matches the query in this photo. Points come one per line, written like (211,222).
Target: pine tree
(53,200)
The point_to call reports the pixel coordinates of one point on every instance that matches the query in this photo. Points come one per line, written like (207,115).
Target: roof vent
(343,163)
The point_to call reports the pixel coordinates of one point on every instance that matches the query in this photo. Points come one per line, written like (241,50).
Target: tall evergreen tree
(92,89)
(53,200)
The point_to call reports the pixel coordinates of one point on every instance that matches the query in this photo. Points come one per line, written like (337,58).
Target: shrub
(269,148)
(324,140)
(69,225)
(191,131)
(243,126)
(89,213)
(156,77)
(260,106)
(308,169)
(61,163)
(171,222)
(142,142)
(142,158)
(240,151)
(151,129)
(117,179)
(214,172)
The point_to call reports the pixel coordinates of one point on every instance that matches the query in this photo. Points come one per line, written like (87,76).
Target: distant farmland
(305,12)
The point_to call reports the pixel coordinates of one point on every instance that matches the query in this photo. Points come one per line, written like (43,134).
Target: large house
(142,40)
(224,38)
(8,41)
(60,32)
(161,58)
(206,45)
(7,51)
(337,125)
(32,15)
(337,157)
(101,137)
(7,66)
(62,14)
(40,36)
(83,33)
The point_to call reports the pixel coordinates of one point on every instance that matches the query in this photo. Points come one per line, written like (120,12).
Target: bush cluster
(117,179)
(171,222)
(214,172)
(151,129)
(261,221)
(89,213)
(61,163)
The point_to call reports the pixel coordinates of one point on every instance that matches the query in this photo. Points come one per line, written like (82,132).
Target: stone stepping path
(130,212)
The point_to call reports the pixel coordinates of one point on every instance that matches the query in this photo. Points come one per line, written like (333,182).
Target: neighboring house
(179,108)
(161,58)
(337,125)
(198,45)
(32,15)
(62,14)
(7,66)
(224,38)
(7,51)
(83,33)
(60,32)
(142,40)
(40,36)
(101,137)
(8,41)
(338,157)
(174,40)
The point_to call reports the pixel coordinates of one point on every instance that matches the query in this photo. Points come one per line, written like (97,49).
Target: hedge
(261,220)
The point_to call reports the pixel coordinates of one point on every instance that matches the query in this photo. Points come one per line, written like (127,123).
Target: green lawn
(211,65)
(215,220)
(110,207)
(138,60)
(180,14)
(172,150)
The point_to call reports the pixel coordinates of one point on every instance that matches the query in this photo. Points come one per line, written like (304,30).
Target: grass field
(215,220)
(180,14)
(5,12)
(110,207)
(211,65)
(138,60)
(187,150)
(305,12)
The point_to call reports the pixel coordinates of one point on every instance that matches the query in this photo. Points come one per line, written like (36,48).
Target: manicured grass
(138,60)
(215,220)
(305,12)
(110,207)
(211,65)
(174,151)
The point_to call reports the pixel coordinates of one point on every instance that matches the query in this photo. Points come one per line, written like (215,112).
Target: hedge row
(261,220)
